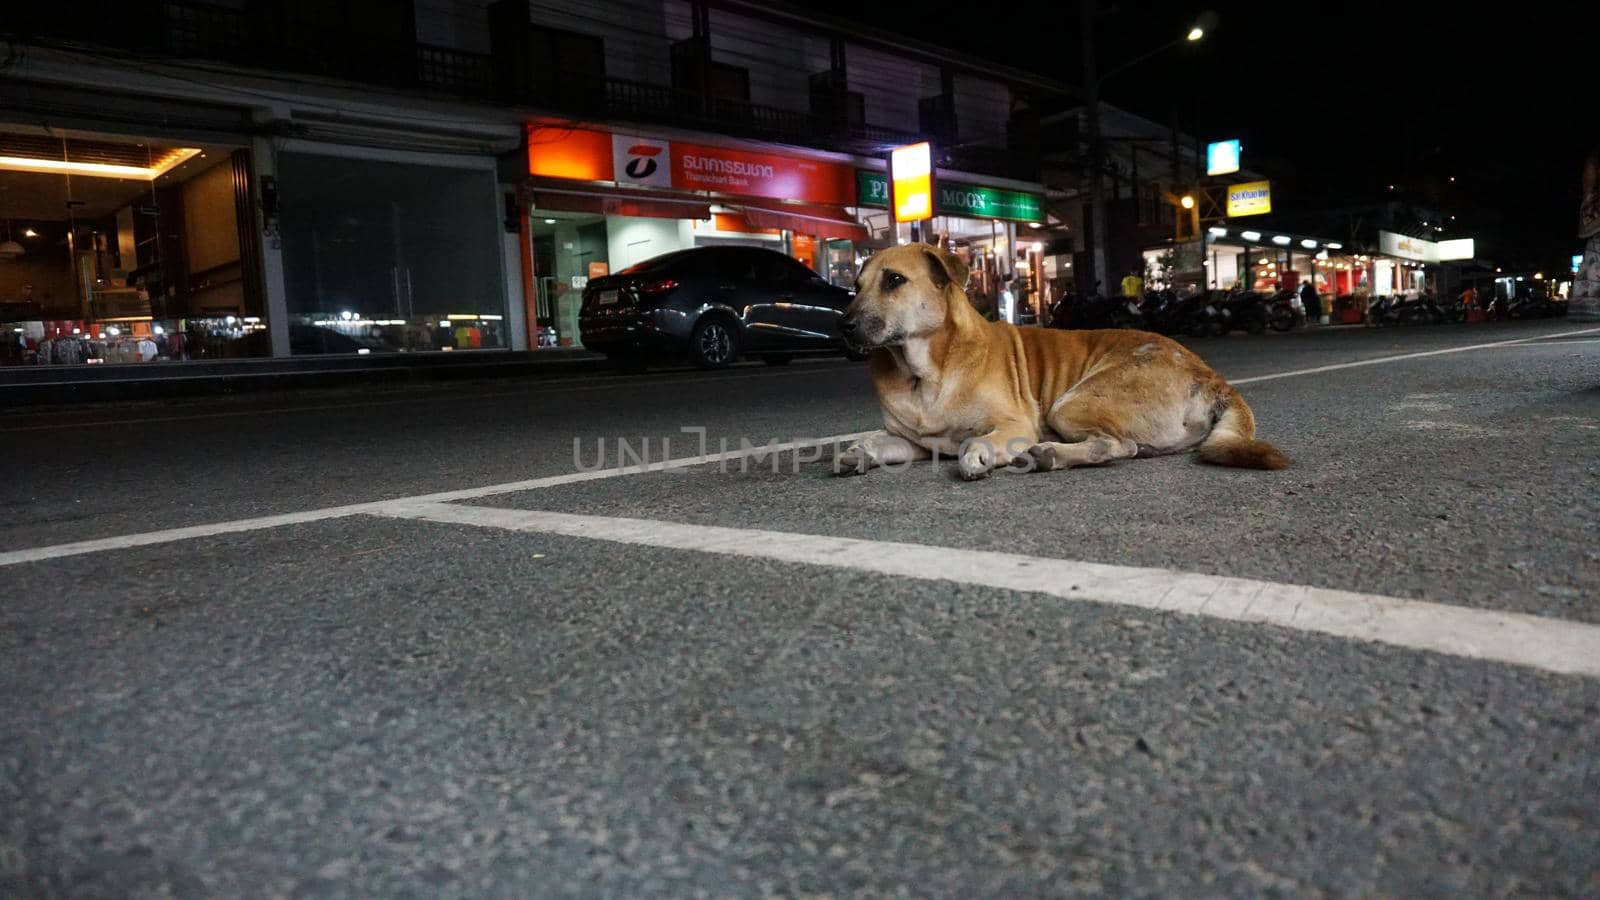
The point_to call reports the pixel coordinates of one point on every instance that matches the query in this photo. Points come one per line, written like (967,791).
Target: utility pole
(1091,115)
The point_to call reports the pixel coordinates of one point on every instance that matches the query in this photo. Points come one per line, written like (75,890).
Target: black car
(712,304)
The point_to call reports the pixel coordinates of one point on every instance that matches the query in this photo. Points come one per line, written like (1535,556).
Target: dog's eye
(892,280)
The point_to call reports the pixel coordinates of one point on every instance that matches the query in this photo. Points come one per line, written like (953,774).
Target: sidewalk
(35,385)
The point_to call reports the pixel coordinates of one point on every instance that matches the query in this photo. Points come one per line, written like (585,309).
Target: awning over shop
(823,221)
(614,202)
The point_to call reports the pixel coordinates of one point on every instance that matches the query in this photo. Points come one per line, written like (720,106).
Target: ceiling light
(99,170)
(1219,232)
(1281,240)
(29,232)
(1334,246)
(1187,202)
(1309,244)
(1035,224)
(1250,235)
(1196,33)
(10,249)
(549,221)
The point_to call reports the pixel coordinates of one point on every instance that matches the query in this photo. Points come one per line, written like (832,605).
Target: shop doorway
(567,249)
(126,250)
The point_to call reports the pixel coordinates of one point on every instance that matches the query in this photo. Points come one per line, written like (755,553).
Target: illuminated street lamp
(1092,81)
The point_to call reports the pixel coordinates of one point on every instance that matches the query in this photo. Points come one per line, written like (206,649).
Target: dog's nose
(848,324)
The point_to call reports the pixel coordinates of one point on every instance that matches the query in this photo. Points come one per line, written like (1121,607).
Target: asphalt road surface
(407,643)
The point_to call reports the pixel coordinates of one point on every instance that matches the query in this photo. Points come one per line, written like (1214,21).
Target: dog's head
(902,293)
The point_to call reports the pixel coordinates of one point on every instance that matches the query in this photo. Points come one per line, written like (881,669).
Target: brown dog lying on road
(995,395)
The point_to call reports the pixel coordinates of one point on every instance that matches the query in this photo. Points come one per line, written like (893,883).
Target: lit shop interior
(124,250)
(994,250)
(1267,261)
(568,247)
(383,257)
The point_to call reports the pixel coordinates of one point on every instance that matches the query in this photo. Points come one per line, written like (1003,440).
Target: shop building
(233,180)
(600,200)
(1267,260)
(169,221)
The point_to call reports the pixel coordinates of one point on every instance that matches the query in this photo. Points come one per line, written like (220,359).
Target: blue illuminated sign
(1222,157)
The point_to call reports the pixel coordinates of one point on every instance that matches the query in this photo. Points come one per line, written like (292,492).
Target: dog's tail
(1232,441)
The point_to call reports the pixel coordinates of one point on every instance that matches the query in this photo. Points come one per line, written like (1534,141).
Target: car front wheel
(714,344)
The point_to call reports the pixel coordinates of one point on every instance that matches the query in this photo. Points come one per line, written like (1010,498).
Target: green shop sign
(957,198)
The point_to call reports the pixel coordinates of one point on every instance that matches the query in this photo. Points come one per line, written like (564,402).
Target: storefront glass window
(117,249)
(390,257)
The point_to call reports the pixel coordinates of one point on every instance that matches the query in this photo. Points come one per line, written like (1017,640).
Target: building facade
(249,178)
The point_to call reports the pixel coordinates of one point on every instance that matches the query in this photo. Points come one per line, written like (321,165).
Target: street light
(1092,80)
(1187,201)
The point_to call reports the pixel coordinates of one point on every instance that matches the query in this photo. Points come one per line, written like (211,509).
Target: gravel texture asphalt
(370,707)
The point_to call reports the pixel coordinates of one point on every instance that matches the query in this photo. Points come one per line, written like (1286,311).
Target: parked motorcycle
(1534,307)
(1245,310)
(1195,315)
(1285,311)
(1417,311)
(1402,311)
(1099,312)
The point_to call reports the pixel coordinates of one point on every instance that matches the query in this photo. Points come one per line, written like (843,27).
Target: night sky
(1338,105)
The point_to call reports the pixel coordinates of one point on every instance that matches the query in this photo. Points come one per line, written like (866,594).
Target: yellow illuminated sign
(1253,198)
(911,182)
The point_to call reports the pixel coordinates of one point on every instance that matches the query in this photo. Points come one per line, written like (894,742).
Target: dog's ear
(945,267)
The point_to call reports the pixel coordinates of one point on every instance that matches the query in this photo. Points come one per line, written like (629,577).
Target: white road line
(178,534)
(1404,356)
(123,542)
(1554,645)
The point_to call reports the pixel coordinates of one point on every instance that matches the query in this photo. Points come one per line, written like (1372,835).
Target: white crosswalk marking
(1552,644)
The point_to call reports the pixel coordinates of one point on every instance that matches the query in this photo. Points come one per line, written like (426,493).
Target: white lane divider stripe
(1519,639)
(126,541)
(1404,356)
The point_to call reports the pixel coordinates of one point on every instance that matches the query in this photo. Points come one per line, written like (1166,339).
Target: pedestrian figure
(1132,285)
(1311,302)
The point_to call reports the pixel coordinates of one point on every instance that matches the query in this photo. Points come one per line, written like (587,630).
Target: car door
(825,304)
(805,314)
(739,287)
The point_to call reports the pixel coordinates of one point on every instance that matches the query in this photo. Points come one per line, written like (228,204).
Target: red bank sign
(643,161)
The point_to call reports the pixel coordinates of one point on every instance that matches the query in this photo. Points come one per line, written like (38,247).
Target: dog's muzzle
(858,331)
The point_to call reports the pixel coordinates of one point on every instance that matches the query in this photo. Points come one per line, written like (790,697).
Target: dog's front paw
(853,460)
(976,461)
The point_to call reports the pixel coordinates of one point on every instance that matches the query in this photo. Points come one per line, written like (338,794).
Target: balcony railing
(455,71)
(206,31)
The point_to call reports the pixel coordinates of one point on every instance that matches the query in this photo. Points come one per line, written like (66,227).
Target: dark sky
(1341,100)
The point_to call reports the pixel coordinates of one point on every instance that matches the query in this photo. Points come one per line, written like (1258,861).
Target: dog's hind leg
(1090,437)
(1093,450)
